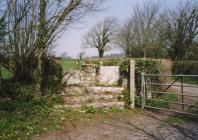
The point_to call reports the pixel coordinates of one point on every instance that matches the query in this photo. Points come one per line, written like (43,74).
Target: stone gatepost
(132,83)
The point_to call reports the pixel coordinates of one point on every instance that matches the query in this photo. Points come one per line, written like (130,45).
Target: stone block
(74,90)
(72,78)
(108,75)
(86,76)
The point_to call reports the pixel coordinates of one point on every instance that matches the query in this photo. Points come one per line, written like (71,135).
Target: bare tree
(126,38)
(145,20)
(101,35)
(138,37)
(182,30)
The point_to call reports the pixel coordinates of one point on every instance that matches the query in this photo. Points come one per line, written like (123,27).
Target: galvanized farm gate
(160,89)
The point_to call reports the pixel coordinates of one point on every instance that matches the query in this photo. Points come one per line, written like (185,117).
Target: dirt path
(146,126)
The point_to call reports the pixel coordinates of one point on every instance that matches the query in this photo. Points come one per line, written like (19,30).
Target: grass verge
(22,120)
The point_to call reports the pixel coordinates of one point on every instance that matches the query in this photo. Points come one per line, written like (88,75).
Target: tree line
(151,32)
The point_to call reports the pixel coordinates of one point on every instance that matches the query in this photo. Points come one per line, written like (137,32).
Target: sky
(71,41)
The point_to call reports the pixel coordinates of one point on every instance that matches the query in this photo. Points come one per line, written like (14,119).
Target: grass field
(69,64)
(66,64)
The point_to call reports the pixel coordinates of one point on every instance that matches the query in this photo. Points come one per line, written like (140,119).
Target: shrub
(53,75)
(88,109)
(24,91)
(138,101)
(142,65)
(126,98)
(5,73)
(16,90)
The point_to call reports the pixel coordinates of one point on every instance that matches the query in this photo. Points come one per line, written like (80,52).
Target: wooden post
(132,83)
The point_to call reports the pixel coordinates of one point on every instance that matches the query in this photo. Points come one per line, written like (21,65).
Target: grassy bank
(21,120)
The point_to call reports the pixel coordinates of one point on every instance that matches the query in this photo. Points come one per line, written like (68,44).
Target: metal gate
(153,90)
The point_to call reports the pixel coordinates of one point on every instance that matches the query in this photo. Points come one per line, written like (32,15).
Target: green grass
(69,64)
(189,80)
(165,105)
(6,74)
(21,120)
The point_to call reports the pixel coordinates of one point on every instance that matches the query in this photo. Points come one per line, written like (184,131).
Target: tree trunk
(101,53)
(41,46)
(39,73)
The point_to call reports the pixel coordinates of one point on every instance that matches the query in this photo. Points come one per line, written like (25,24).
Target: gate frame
(180,77)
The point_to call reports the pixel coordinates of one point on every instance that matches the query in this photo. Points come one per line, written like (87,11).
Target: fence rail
(145,91)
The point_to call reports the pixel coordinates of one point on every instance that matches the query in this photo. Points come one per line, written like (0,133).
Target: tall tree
(101,35)
(182,30)
(42,34)
(126,39)
(145,20)
(139,36)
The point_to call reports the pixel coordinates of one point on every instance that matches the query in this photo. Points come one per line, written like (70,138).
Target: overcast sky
(71,41)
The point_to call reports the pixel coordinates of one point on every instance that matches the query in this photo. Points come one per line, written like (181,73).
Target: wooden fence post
(132,83)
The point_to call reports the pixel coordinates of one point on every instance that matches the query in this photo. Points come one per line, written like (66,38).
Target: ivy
(148,66)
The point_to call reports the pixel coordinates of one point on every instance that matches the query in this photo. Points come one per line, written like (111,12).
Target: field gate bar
(148,94)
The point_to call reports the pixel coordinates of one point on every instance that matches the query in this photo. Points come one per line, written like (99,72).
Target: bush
(88,109)
(24,91)
(126,98)
(53,75)
(5,73)
(142,65)
(16,90)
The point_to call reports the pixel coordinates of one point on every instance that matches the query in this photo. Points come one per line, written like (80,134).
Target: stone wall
(108,75)
(87,76)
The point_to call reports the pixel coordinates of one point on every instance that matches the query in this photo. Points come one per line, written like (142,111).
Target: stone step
(79,91)
(119,105)
(92,98)
(101,89)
